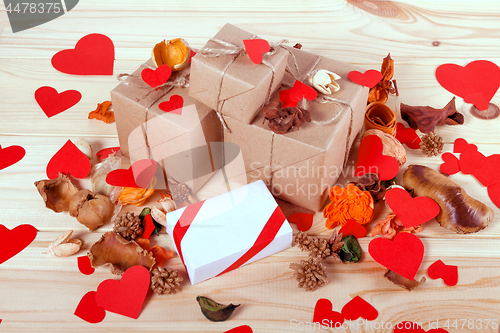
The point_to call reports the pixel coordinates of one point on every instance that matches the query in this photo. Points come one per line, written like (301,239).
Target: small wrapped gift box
(233,84)
(300,166)
(177,138)
(222,233)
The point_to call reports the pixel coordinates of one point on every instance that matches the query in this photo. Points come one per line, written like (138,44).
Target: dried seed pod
(324,81)
(173,53)
(392,146)
(159,216)
(214,311)
(63,246)
(57,193)
(90,209)
(403,282)
(86,148)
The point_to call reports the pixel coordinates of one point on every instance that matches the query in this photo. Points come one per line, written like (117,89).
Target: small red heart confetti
(88,309)
(410,327)
(126,296)
(451,164)
(148,226)
(368,79)
(286,98)
(476,83)
(430,270)
(240,329)
(460,145)
(494,194)
(93,54)
(304,221)
(353,228)
(174,104)
(104,153)
(157,77)
(14,241)
(448,273)
(139,175)
(68,159)
(84,265)
(489,173)
(191,55)
(324,314)
(10,156)
(371,160)
(402,255)
(256,48)
(407,136)
(411,211)
(302,91)
(359,308)
(471,160)
(53,103)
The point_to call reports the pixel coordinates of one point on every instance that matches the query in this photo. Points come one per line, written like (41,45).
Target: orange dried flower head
(349,203)
(135,196)
(174,53)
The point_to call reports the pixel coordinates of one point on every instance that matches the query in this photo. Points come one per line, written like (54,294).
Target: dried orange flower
(135,196)
(391,226)
(173,53)
(102,113)
(159,253)
(348,203)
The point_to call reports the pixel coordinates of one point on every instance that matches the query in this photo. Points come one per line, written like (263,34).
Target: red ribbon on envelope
(266,236)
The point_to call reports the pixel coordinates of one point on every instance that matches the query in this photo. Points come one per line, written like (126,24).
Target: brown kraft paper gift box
(306,162)
(240,86)
(147,132)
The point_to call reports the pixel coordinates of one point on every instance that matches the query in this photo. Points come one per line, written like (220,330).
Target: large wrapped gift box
(302,165)
(233,84)
(179,139)
(222,233)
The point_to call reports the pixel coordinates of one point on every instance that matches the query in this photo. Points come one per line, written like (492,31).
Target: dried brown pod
(392,146)
(120,253)
(403,282)
(90,209)
(371,182)
(173,53)
(57,193)
(64,246)
(215,311)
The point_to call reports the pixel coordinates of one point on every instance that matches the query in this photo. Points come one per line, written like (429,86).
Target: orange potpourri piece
(348,203)
(135,196)
(159,253)
(102,113)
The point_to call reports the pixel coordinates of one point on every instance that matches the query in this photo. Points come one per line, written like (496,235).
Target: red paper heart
(301,90)
(471,160)
(256,48)
(448,273)
(126,296)
(324,314)
(137,175)
(88,309)
(408,136)
(148,225)
(368,79)
(69,159)
(174,104)
(489,173)
(411,211)
(430,270)
(286,98)
(460,145)
(93,54)
(191,55)
(304,221)
(359,308)
(104,153)
(476,83)
(84,265)
(403,254)
(410,327)
(240,329)
(10,156)
(157,77)
(494,194)
(353,228)
(53,103)
(451,164)
(371,160)
(14,241)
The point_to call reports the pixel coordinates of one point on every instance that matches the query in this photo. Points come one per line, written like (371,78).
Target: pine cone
(128,226)
(310,274)
(336,243)
(165,280)
(317,246)
(180,192)
(432,144)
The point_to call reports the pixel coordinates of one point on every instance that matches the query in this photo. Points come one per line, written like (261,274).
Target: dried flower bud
(90,209)
(173,53)
(86,148)
(324,81)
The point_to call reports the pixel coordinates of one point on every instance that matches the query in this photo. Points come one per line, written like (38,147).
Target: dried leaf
(350,250)
(380,92)
(403,282)
(214,311)
(103,113)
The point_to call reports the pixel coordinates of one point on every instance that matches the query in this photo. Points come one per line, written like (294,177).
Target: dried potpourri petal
(57,193)
(350,250)
(403,282)
(64,246)
(284,120)
(214,311)
(103,113)
(90,209)
(386,86)
(391,226)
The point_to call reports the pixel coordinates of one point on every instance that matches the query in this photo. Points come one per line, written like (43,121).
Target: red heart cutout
(174,104)
(88,309)
(408,136)
(104,153)
(93,54)
(14,241)
(256,48)
(157,77)
(448,273)
(430,270)
(371,160)
(148,225)
(191,55)
(359,308)
(460,145)
(68,159)
(451,164)
(411,211)
(410,327)
(304,221)
(489,173)
(240,329)
(402,255)
(494,194)
(53,103)
(471,160)
(353,228)
(301,90)
(368,79)
(286,98)
(324,314)
(476,83)
(11,155)
(137,175)
(126,296)
(84,265)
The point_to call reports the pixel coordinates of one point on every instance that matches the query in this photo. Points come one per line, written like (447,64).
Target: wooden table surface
(40,292)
